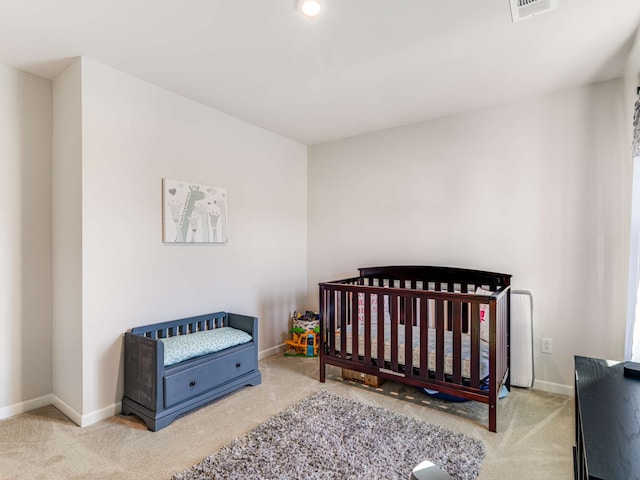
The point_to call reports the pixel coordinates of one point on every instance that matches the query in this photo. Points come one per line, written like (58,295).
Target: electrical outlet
(547,345)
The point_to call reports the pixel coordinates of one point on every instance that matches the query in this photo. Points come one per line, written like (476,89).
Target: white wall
(133,135)
(537,188)
(67,242)
(25,241)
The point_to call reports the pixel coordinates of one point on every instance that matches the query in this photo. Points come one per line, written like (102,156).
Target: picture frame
(193,212)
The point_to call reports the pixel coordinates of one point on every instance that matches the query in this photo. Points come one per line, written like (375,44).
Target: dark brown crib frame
(409,289)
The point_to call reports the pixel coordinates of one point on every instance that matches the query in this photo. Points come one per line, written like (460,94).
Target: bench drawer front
(194,381)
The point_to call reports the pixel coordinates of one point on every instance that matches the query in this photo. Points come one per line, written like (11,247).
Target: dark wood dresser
(607,421)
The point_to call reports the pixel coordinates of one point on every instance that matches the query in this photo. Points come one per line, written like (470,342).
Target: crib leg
(322,371)
(493,416)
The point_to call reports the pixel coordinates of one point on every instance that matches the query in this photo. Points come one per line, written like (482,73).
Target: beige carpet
(534,439)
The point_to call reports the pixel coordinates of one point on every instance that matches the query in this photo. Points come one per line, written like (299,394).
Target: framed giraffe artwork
(193,213)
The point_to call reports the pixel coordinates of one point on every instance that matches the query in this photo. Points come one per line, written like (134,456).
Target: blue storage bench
(174,367)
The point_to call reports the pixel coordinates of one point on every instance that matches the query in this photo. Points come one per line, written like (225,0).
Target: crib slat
(414,301)
(424,339)
(367,328)
(355,326)
(331,311)
(475,345)
(381,332)
(465,310)
(393,300)
(408,335)
(343,324)
(457,342)
(440,309)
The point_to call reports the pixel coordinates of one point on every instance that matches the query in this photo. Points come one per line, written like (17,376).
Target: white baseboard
(102,414)
(269,352)
(86,419)
(70,412)
(551,387)
(27,405)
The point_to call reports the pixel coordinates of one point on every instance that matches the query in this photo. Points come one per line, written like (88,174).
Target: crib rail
(434,274)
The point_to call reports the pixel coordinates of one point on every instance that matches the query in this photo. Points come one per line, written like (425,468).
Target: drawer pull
(238,365)
(192,383)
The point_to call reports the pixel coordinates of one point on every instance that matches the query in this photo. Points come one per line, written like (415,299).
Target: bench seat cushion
(183,347)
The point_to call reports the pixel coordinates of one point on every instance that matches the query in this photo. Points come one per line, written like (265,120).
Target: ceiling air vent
(522,9)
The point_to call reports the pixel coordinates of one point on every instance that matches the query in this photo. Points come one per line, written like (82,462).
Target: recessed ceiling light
(310,8)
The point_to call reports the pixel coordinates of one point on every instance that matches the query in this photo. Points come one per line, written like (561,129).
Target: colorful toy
(305,334)
(304,343)
(311,340)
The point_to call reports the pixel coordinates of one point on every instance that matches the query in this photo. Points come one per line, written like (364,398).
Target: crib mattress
(448,349)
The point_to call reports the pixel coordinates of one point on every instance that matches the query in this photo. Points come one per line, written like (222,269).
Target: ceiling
(364,65)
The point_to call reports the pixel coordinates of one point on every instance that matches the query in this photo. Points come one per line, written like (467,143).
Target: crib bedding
(448,348)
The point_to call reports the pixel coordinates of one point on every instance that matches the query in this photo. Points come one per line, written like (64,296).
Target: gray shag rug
(331,437)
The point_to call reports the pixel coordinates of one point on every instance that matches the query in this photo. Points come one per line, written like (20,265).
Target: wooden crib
(456,322)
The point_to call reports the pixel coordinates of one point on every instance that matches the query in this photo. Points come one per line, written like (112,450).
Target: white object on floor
(522,374)
(428,471)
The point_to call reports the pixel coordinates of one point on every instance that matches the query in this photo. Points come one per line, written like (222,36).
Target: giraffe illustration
(202,215)
(193,195)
